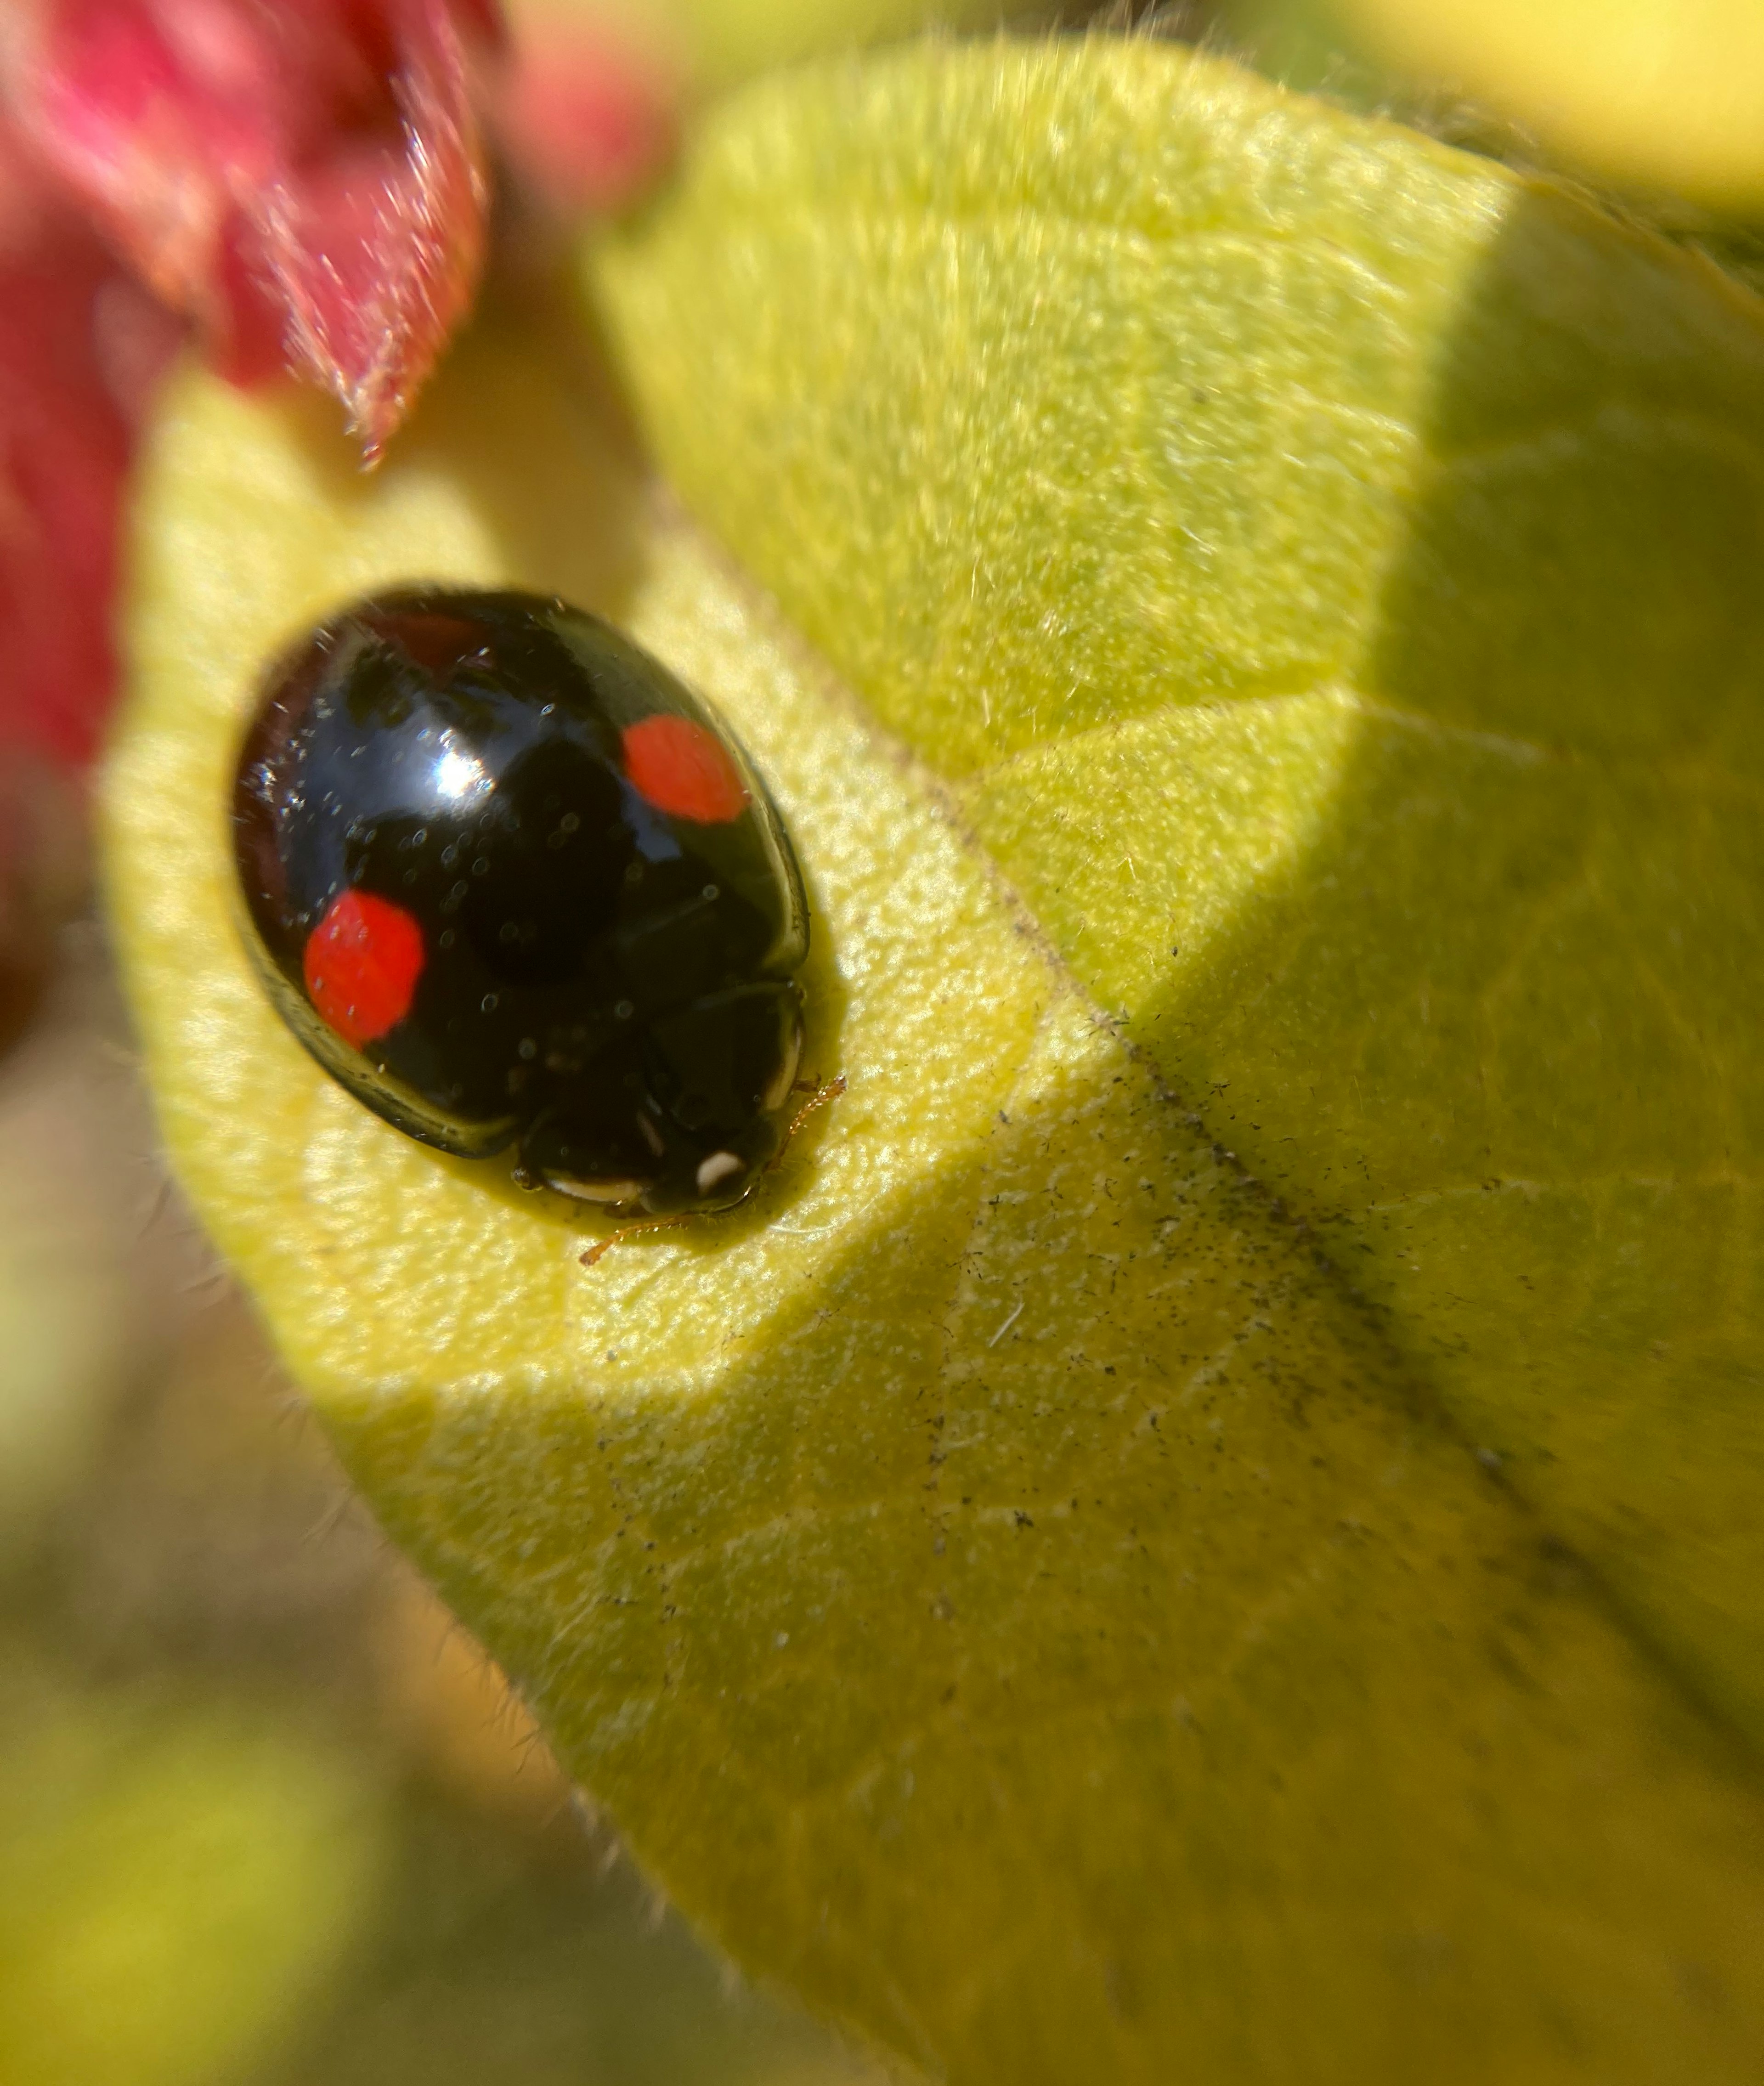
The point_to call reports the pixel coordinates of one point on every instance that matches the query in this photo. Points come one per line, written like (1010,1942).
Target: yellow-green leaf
(1004,1583)
(1326,568)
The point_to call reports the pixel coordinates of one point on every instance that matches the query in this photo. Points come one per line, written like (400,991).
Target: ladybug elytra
(514,884)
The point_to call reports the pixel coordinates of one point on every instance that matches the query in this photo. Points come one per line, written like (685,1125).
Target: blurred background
(267,1816)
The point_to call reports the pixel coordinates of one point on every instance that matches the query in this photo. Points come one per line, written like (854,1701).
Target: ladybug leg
(818,1097)
(596,1254)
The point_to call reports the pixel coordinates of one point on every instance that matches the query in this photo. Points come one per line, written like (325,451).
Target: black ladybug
(510,881)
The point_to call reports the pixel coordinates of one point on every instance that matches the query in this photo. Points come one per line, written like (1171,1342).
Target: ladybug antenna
(818,1097)
(596,1254)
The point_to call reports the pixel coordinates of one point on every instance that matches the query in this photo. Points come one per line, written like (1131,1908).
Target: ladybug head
(691,1116)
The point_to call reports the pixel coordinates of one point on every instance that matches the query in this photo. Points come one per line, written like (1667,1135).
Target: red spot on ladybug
(362,963)
(684,769)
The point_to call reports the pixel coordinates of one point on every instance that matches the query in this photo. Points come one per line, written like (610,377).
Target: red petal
(588,118)
(79,347)
(374,244)
(304,176)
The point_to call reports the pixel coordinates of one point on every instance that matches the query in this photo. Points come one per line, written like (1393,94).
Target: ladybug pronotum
(512,884)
